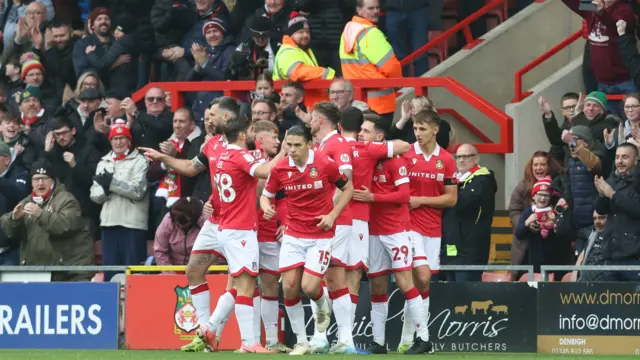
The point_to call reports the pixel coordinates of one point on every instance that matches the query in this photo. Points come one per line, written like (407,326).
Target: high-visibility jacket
(293,63)
(365,53)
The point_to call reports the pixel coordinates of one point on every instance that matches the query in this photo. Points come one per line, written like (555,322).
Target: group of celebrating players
(334,201)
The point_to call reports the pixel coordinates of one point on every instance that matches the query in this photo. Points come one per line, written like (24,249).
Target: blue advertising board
(59,315)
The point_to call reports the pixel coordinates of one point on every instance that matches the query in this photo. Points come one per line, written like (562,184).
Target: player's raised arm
(185,167)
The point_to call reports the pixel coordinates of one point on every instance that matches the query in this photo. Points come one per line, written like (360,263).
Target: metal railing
(544,269)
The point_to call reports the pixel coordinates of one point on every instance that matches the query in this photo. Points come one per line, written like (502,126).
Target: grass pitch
(167,355)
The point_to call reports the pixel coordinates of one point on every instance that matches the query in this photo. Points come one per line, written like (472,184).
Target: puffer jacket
(59,236)
(326,19)
(583,192)
(171,245)
(194,34)
(127,203)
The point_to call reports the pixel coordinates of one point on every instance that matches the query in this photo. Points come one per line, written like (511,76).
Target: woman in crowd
(178,231)
(629,131)
(540,166)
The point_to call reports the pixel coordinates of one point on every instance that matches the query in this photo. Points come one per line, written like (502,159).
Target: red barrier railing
(520,95)
(420,85)
(462,25)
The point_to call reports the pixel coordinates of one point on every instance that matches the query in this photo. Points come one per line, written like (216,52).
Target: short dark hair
(56,23)
(235,127)
(272,107)
(60,122)
(569,96)
(226,103)
(303,131)
(11,116)
(377,122)
(296,85)
(329,110)
(189,112)
(13,60)
(630,146)
(352,119)
(426,117)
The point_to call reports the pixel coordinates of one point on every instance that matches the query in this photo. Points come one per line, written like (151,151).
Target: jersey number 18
(224,185)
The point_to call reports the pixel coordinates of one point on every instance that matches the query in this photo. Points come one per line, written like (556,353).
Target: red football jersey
(365,157)
(428,175)
(266,228)
(208,157)
(337,148)
(237,188)
(388,218)
(308,192)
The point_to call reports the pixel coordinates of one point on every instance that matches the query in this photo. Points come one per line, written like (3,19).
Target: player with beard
(366,154)
(236,175)
(433,188)
(390,246)
(295,61)
(324,121)
(309,180)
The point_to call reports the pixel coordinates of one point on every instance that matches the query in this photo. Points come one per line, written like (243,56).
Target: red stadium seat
(536,277)
(495,277)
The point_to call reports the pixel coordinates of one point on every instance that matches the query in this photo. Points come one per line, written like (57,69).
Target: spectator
(255,55)
(170,21)
(154,124)
(407,24)
(48,226)
(292,107)
(23,153)
(212,62)
(537,227)
(278,11)
(32,74)
(403,128)
(265,88)
(612,75)
(568,104)
(177,232)
(89,100)
(342,95)
(34,117)
(13,81)
(583,162)
(14,186)
(120,186)
(630,129)
(12,13)
(120,61)
(295,61)
(58,59)
(28,30)
(75,162)
(241,11)
(629,50)
(593,254)
(366,54)
(205,11)
(264,110)
(331,16)
(99,39)
(619,199)
(541,165)
(467,226)
(184,143)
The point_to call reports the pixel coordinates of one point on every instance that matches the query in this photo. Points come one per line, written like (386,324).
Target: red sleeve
(380,151)
(249,163)
(400,196)
(281,210)
(333,174)
(341,153)
(449,170)
(272,186)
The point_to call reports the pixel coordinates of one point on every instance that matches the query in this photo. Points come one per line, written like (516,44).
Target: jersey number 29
(224,185)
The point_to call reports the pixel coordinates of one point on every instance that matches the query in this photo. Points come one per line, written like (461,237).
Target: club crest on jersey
(439,164)
(403,171)
(313,172)
(344,157)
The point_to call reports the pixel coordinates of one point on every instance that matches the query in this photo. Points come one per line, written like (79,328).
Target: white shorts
(426,251)
(207,240)
(269,255)
(240,248)
(313,254)
(340,246)
(389,253)
(358,247)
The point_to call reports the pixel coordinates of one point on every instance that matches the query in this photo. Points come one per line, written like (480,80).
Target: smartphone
(587,5)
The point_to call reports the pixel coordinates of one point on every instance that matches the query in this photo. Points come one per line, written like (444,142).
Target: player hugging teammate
(338,201)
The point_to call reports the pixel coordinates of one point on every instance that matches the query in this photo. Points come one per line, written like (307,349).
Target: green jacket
(60,236)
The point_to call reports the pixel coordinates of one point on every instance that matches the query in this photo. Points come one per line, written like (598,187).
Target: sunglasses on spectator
(153,99)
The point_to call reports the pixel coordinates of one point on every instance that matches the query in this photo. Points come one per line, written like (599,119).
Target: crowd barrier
(545,317)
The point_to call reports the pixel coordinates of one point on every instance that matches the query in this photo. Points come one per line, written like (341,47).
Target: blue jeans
(407,33)
(10,257)
(122,246)
(627,87)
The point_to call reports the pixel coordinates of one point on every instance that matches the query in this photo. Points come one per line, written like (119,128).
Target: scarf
(121,156)
(170,185)
(546,218)
(41,199)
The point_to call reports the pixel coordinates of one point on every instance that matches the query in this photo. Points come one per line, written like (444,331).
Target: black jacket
(554,132)
(28,155)
(70,111)
(59,64)
(327,19)
(405,5)
(168,21)
(629,52)
(622,230)
(125,76)
(407,134)
(280,22)
(150,130)
(15,185)
(467,225)
(243,60)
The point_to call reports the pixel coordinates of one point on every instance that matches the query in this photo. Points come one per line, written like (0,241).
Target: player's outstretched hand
(326,221)
(270,212)
(151,154)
